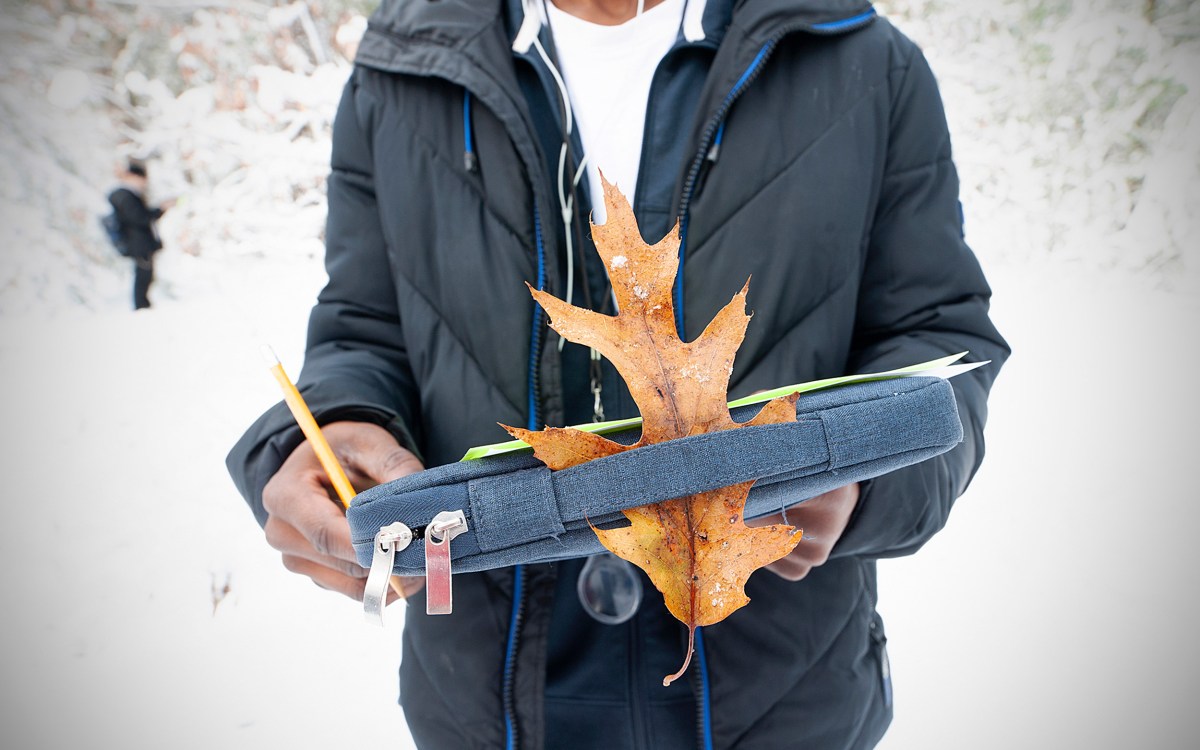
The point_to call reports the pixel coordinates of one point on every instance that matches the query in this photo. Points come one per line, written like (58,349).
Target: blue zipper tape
(705,698)
(510,654)
(468,144)
(510,650)
(845,23)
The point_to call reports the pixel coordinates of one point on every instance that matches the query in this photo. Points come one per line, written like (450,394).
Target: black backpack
(112,227)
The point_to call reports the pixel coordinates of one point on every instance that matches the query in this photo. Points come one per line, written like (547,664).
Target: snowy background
(143,608)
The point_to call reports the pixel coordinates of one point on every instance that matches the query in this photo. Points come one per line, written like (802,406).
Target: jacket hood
(453,23)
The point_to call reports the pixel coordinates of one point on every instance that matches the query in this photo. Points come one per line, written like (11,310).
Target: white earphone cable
(565,202)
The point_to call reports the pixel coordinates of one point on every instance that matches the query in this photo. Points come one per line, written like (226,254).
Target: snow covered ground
(127,532)
(1056,611)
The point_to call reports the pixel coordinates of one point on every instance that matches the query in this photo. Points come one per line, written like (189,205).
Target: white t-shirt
(608,70)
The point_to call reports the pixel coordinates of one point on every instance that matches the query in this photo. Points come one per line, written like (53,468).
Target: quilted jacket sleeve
(356,366)
(923,296)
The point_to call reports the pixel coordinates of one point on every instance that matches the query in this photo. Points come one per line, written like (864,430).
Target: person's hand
(823,519)
(168,204)
(306,522)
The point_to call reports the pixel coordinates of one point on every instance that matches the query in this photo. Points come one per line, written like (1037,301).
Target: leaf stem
(687,660)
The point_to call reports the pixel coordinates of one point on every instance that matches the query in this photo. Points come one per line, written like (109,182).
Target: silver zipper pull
(439,598)
(390,540)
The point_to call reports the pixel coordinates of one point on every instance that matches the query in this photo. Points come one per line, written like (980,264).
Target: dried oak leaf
(696,549)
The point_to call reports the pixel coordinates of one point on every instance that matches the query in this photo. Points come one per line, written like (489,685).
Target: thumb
(392,463)
(371,453)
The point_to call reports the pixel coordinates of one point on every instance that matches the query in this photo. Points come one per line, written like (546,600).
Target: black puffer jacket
(137,222)
(832,186)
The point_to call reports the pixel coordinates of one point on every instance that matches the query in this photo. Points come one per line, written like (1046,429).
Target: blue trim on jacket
(510,656)
(705,696)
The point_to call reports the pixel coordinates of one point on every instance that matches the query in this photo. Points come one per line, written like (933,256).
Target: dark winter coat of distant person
(138,231)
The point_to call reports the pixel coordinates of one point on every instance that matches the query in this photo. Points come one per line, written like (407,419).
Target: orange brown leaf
(696,550)
(562,447)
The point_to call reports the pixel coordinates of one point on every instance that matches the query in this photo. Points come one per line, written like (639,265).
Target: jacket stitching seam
(791,162)
(435,154)
(416,292)
(919,168)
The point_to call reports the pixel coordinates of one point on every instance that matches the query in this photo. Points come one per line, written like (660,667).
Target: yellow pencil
(312,432)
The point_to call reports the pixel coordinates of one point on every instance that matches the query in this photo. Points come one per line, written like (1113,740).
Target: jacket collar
(702,20)
(455,23)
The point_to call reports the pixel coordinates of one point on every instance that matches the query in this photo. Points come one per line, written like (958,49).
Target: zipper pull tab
(390,540)
(439,599)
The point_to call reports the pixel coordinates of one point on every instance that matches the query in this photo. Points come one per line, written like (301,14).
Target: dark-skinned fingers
(411,584)
(807,555)
(824,519)
(320,522)
(293,478)
(325,527)
(378,458)
(289,541)
(370,454)
(768,521)
(396,463)
(367,470)
(299,500)
(300,475)
(326,578)
(789,569)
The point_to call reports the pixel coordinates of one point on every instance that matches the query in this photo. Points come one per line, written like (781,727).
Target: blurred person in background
(137,222)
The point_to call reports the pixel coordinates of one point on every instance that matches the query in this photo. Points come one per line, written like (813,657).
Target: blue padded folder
(518,511)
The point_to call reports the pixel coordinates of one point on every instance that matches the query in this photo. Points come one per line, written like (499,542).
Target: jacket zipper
(748,77)
(511,737)
(535,335)
(701,159)
(508,699)
(701,691)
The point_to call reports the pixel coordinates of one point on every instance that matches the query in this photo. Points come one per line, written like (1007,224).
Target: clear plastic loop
(609,589)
